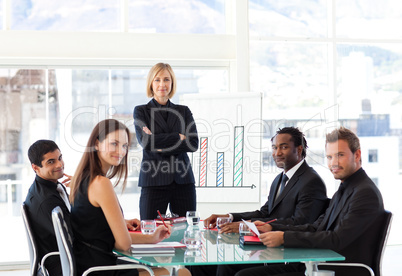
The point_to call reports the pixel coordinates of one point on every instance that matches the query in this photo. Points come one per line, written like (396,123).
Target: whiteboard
(227,164)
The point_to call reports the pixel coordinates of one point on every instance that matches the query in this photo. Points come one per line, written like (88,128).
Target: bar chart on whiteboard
(227,164)
(238,151)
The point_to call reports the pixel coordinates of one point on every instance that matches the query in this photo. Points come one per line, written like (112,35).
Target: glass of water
(192,239)
(193,217)
(220,221)
(244,230)
(192,256)
(148,227)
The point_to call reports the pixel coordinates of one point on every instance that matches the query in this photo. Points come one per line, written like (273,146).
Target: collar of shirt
(349,181)
(159,105)
(46,182)
(292,171)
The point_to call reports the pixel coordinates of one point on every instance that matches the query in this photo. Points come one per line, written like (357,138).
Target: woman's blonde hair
(90,165)
(155,71)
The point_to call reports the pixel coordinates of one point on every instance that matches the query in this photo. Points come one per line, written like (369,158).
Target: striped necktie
(63,195)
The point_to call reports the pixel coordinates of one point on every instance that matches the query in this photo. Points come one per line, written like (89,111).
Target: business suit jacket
(302,201)
(41,199)
(160,168)
(351,230)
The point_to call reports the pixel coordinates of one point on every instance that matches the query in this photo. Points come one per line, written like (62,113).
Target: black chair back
(64,242)
(33,252)
(382,242)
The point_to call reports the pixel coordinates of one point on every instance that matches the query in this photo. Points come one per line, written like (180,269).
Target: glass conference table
(225,249)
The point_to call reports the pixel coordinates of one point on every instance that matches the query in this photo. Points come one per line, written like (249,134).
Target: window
(316,75)
(292,76)
(158,16)
(1,14)
(369,19)
(288,18)
(372,156)
(74,15)
(191,17)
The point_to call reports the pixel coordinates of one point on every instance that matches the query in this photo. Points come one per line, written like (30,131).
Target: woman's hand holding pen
(263,226)
(161,232)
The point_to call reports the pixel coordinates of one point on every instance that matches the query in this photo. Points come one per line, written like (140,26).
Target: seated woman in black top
(96,215)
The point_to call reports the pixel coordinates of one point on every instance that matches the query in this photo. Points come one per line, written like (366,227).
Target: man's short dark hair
(297,137)
(38,149)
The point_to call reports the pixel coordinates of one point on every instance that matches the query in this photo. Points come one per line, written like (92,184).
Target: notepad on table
(159,244)
(152,251)
(156,248)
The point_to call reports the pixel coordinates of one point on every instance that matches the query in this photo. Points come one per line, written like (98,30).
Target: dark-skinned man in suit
(302,200)
(349,226)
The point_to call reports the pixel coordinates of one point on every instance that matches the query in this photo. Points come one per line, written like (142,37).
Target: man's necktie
(283,182)
(282,186)
(63,195)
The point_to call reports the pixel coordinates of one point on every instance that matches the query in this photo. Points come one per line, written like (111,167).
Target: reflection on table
(225,249)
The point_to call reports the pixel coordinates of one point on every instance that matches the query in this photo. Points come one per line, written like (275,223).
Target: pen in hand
(272,220)
(163,221)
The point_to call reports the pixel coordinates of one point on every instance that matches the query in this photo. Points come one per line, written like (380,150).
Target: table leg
(174,270)
(310,267)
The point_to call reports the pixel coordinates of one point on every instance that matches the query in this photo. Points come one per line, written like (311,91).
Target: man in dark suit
(349,226)
(297,199)
(44,195)
(303,197)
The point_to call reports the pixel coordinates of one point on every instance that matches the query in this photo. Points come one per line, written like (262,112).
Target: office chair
(384,227)
(65,245)
(35,269)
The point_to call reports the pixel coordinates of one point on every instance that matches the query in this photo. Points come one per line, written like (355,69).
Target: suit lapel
(173,115)
(291,183)
(288,187)
(339,207)
(156,117)
(325,224)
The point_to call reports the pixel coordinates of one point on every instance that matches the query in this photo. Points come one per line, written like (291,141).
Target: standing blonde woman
(166,131)
(96,216)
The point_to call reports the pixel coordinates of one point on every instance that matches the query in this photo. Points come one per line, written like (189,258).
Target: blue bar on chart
(203,161)
(238,156)
(219,169)
(220,251)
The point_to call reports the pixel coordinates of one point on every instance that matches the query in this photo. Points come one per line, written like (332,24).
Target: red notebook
(250,240)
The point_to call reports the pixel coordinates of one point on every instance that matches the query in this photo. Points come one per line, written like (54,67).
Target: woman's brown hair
(90,166)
